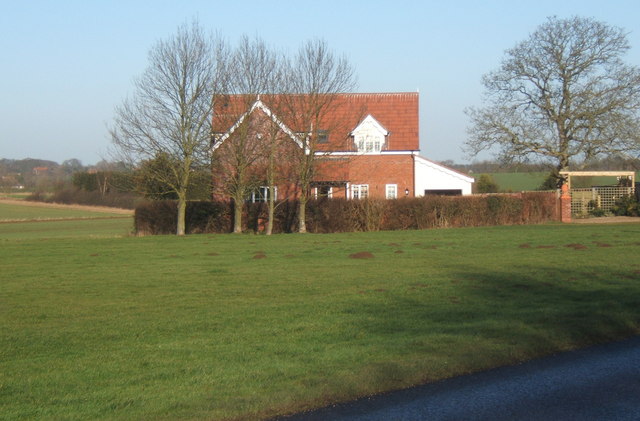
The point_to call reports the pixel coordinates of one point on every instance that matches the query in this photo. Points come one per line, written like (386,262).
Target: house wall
(379,170)
(432,176)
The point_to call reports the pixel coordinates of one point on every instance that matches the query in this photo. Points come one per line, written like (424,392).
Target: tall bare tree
(240,147)
(563,94)
(315,76)
(170,111)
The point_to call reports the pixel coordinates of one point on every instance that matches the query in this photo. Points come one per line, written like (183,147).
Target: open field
(225,327)
(29,220)
(528,181)
(20,210)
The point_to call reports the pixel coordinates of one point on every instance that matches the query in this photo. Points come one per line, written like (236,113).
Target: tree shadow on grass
(490,319)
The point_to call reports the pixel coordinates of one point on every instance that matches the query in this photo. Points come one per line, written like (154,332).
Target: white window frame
(369,143)
(261,194)
(359,191)
(393,189)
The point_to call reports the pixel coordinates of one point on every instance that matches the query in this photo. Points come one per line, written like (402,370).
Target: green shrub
(486,184)
(626,206)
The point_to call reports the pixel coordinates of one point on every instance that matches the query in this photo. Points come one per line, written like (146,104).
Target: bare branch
(563,93)
(170,110)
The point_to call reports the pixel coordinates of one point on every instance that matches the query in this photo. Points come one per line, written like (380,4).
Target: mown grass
(225,327)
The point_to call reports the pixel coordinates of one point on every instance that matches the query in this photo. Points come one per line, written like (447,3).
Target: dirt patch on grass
(420,285)
(361,255)
(576,246)
(260,255)
(600,244)
(525,246)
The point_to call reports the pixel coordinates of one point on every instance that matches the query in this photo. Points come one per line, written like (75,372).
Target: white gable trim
(442,168)
(433,176)
(369,120)
(258,105)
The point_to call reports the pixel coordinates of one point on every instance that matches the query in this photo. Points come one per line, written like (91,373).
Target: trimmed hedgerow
(160,217)
(339,215)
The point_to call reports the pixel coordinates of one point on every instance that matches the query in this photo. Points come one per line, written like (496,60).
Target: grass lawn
(247,327)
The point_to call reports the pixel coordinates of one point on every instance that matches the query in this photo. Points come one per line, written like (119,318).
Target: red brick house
(367,145)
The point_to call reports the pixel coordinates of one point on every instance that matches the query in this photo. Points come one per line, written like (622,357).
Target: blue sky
(67,64)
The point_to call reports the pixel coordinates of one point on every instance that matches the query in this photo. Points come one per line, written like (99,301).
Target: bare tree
(315,77)
(563,94)
(240,147)
(170,111)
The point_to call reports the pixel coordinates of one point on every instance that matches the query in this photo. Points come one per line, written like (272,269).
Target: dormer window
(368,144)
(322,136)
(369,136)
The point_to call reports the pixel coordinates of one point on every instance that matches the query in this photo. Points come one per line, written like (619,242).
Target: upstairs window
(322,136)
(369,144)
(369,136)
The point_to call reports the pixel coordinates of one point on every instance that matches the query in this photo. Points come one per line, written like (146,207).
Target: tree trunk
(271,208)
(302,215)
(237,216)
(563,165)
(182,214)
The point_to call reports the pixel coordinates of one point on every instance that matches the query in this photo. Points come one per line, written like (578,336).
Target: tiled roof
(396,112)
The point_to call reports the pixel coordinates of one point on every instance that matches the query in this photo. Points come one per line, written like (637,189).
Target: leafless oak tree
(563,94)
(170,111)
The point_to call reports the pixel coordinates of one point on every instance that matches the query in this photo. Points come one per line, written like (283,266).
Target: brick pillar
(565,204)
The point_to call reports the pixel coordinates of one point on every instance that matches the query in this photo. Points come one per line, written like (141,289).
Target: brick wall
(379,170)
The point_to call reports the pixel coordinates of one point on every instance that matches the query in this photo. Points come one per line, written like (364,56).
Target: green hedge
(338,215)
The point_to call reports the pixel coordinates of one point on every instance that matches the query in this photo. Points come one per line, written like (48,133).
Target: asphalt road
(597,383)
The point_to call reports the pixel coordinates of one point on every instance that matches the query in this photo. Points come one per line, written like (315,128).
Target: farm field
(529,181)
(249,327)
(525,181)
(39,220)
